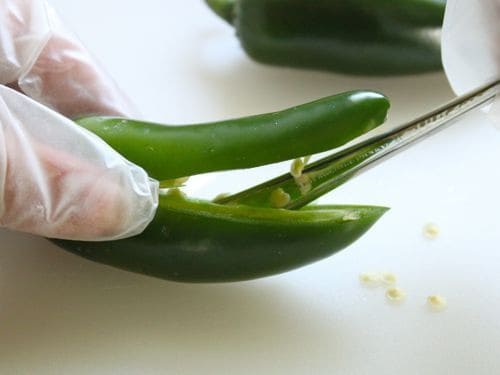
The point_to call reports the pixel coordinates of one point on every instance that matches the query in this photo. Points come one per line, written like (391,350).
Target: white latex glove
(471,43)
(56,179)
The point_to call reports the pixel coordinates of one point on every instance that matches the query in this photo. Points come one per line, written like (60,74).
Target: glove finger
(60,181)
(48,63)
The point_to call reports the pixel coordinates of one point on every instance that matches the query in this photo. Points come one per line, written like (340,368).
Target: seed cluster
(395,294)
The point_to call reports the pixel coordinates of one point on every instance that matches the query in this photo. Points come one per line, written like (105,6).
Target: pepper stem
(223,8)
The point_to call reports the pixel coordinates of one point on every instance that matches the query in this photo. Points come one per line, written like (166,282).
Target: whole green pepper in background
(197,241)
(371,37)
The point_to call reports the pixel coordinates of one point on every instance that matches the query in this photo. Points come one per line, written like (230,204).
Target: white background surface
(62,314)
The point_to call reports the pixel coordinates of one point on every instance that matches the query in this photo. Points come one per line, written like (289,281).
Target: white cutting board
(60,314)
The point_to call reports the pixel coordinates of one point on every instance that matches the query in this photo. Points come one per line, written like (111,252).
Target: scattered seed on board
(388,278)
(437,302)
(431,231)
(371,279)
(395,294)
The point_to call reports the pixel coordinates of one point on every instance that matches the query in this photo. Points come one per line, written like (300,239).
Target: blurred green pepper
(369,37)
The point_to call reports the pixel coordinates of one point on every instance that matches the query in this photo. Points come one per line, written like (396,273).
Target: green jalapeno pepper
(196,241)
(199,241)
(167,152)
(373,37)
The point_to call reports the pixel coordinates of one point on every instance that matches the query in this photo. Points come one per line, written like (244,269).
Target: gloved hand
(56,179)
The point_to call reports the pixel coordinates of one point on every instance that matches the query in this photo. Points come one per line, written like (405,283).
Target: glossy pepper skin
(168,152)
(196,241)
(365,37)
(199,241)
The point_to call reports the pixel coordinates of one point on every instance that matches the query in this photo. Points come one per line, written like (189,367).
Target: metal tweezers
(330,172)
